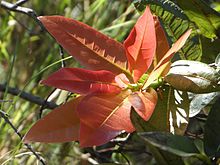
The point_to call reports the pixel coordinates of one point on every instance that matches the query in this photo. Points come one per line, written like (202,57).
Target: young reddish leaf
(162,44)
(166,59)
(144,102)
(82,81)
(141,45)
(89,47)
(60,125)
(103,116)
(90,136)
(122,80)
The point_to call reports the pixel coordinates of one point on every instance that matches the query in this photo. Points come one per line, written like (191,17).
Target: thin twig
(62,65)
(20,2)
(14,7)
(5,117)
(44,105)
(62,56)
(27,96)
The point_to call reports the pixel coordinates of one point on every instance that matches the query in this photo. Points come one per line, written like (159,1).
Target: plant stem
(5,117)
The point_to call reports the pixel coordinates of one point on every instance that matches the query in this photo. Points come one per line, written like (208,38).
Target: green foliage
(206,18)
(178,145)
(211,140)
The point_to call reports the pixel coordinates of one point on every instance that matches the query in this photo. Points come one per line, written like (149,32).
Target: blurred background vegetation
(28,54)
(25,50)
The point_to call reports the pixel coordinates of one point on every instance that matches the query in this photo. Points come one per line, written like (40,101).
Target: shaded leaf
(89,47)
(157,71)
(144,103)
(178,145)
(210,49)
(141,45)
(82,81)
(212,133)
(206,18)
(60,125)
(102,117)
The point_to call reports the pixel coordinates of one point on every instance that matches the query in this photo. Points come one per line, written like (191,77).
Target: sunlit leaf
(166,59)
(200,101)
(178,105)
(141,45)
(82,81)
(60,125)
(193,76)
(89,47)
(103,116)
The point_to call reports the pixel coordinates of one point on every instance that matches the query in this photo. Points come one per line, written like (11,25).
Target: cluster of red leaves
(110,88)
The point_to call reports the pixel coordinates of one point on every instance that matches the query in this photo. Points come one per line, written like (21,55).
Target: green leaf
(206,18)
(212,133)
(178,145)
(176,23)
(210,48)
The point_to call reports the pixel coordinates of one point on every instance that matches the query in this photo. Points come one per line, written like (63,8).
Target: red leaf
(122,80)
(89,47)
(90,136)
(141,45)
(82,81)
(162,43)
(60,125)
(166,59)
(102,117)
(144,102)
